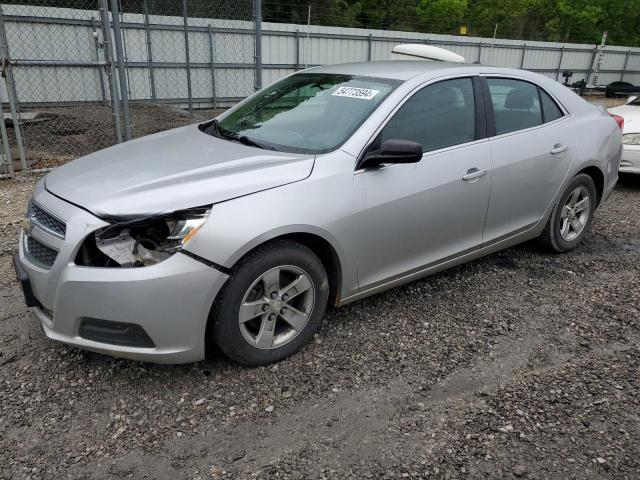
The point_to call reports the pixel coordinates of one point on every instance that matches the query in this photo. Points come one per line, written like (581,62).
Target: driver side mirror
(631,99)
(392,151)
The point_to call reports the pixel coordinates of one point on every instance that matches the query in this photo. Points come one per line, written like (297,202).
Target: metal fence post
(257,20)
(559,69)
(11,91)
(152,79)
(185,19)
(5,143)
(97,47)
(524,53)
(111,73)
(213,66)
(479,52)
(626,62)
(296,50)
(369,47)
(117,38)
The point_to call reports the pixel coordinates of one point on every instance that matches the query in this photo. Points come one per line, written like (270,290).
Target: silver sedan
(328,186)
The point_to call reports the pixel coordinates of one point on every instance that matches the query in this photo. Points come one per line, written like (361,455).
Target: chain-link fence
(54,70)
(81,75)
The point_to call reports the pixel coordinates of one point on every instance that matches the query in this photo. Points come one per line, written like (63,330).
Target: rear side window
(516,104)
(438,116)
(549,107)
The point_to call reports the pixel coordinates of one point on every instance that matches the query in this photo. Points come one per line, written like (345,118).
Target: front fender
(321,205)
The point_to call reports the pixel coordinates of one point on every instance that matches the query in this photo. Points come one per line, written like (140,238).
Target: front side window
(438,116)
(307,112)
(516,104)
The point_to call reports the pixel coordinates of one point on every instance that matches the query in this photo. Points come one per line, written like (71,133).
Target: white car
(630,112)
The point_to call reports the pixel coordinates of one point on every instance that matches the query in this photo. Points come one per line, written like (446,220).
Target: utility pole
(493,43)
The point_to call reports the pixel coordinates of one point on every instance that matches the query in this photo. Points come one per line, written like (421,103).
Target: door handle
(559,148)
(474,174)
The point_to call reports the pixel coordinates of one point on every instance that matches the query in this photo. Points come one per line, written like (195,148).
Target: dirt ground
(521,365)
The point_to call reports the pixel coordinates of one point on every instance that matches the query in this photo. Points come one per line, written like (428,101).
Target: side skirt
(527,233)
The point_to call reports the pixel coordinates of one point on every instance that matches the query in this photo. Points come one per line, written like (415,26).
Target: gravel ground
(523,364)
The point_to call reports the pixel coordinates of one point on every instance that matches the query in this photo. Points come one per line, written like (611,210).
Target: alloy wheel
(575,214)
(276,307)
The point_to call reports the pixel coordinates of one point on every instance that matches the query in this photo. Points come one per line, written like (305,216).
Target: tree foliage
(581,21)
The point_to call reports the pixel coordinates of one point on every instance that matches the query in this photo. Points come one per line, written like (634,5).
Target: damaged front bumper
(156,313)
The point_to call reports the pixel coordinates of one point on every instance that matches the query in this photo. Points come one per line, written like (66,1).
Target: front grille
(40,254)
(45,220)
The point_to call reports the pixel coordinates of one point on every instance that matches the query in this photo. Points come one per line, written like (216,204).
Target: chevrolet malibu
(328,186)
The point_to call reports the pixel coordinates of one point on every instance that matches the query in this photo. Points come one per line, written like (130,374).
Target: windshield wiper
(253,143)
(214,129)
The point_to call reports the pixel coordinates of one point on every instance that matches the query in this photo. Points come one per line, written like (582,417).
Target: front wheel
(572,215)
(271,305)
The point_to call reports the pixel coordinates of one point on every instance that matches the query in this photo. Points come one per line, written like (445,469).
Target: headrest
(447,95)
(519,99)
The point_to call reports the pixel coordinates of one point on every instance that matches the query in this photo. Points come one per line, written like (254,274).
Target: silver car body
(385,226)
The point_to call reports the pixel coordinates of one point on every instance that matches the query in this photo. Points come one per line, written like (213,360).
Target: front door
(411,216)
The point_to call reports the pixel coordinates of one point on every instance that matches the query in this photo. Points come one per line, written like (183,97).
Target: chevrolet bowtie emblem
(26,224)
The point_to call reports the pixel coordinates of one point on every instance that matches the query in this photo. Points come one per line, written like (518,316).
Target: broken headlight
(143,241)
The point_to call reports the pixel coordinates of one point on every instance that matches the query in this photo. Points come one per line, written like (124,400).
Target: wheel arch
(318,241)
(598,179)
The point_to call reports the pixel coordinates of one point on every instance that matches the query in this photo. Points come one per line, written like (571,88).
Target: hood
(172,170)
(631,115)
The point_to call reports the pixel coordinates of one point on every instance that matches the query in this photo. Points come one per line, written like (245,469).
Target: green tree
(442,16)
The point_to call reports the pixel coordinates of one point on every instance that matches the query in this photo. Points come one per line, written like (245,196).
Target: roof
(404,70)
(393,69)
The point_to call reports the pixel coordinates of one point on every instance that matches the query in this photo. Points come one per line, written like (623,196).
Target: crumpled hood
(172,170)
(631,115)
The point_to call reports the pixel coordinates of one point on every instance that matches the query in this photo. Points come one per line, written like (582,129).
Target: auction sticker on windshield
(355,92)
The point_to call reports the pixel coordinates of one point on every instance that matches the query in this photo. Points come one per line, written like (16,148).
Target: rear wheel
(271,305)
(572,215)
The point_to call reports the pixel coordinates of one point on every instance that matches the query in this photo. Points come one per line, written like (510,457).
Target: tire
(560,234)
(259,333)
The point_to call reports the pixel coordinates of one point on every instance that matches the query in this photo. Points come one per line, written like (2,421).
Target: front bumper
(630,162)
(170,300)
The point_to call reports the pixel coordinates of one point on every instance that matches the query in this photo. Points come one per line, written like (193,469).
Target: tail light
(619,120)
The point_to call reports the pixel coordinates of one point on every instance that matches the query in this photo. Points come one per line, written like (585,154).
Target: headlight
(142,242)
(631,139)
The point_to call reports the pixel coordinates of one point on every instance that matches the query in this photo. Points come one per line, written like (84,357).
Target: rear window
(516,104)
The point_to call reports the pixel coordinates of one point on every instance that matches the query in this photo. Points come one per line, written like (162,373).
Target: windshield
(307,112)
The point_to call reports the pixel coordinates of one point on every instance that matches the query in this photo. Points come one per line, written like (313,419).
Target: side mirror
(631,99)
(392,151)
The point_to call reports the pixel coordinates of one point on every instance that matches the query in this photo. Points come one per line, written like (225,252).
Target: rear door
(532,148)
